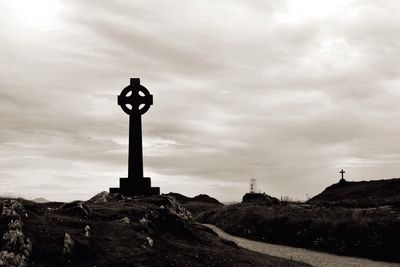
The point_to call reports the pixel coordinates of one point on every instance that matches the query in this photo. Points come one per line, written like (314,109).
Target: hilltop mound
(364,193)
(259,198)
(196,204)
(207,199)
(114,231)
(199,198)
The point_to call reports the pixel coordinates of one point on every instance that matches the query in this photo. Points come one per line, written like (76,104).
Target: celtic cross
(135,100)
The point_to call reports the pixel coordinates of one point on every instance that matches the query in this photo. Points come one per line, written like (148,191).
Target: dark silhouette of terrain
(198,203)
(115,231)
(199,198)
(259,198)
(364,193)
(350,218)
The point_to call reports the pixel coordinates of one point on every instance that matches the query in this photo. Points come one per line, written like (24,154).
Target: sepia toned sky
(286,92)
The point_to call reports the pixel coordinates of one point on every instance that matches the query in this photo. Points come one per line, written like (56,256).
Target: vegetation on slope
(365,232)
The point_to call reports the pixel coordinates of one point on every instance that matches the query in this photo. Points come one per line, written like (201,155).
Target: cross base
(135,187)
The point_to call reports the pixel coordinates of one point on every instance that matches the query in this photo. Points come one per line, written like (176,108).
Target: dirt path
(299,254)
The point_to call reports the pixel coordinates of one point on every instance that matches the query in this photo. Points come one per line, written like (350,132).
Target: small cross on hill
(342,172)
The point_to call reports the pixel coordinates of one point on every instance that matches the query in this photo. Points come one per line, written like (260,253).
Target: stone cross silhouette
(342,172)
(135,100)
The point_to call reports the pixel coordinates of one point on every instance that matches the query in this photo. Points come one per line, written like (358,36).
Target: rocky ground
(115,231)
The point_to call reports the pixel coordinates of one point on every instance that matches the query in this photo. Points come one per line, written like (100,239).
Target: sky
(285,92)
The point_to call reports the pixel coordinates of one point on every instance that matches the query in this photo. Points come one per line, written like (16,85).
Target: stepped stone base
(135,187)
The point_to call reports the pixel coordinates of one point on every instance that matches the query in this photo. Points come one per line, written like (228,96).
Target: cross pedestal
(135,100)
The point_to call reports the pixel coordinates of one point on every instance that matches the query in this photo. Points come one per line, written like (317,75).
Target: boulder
(102,197)
(170,217)
(68,244)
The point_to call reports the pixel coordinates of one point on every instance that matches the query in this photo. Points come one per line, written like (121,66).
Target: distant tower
(253,186)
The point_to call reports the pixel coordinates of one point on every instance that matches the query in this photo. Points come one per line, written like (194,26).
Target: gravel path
(299,254)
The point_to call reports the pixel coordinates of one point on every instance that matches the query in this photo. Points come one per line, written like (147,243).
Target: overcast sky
(286,92)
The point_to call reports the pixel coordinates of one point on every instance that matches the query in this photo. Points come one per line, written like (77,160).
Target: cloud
(283,92)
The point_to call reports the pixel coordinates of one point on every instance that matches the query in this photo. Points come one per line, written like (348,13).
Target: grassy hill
(344,230)
(114,231)
(362,194)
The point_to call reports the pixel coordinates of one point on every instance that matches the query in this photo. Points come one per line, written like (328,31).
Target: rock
(76,208)
(176,208)
(171,205)
(150,240)
(179,197)
(125,220)
(261,198)
(68,244)
(10,259)
(17,248)
(143,221)
(172,218)
(102,197)
(12,208)
(87,231)
(14,238)
(15,225)
(82,206)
